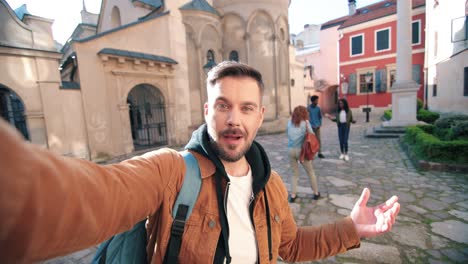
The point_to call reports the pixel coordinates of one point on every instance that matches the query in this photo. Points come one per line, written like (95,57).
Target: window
(416,32)
(465,85)
(115,17)
(434,88)
(365,87)
(392,79)
(460,29)
(234,56)
(382,40)
(357,45)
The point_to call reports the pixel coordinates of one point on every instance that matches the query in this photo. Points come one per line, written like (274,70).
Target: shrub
(419,104)
(460,129)
(387,114)
(449,121)
(427,116)
(431,148)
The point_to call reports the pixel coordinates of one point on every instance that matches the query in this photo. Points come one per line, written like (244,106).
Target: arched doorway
(12,110)
(147,116)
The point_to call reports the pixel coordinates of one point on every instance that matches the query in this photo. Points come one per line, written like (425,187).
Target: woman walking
(343,118)
(297,128)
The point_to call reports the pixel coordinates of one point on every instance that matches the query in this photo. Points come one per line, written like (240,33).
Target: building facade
(135,78)
(447,56)
(368,48)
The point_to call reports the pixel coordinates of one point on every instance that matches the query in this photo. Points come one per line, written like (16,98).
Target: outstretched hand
(372,221)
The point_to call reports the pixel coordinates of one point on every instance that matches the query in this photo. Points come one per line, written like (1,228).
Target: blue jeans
(343,134)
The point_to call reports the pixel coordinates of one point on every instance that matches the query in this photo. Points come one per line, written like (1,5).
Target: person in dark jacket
(315,119)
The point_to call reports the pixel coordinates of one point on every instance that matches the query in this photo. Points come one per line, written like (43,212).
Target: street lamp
(368,78)
(344,86)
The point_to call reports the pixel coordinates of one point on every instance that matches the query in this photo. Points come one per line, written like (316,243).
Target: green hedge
(431,148)
(427,116)
(422,115)
(388,114)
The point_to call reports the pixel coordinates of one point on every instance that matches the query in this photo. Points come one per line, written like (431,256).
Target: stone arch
(195,61)
(116,19)
(234,29)
(262,56)
(147,113)
(282,25)
(210,37)
(12,109)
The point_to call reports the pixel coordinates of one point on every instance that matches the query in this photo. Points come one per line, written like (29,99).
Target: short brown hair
(235,69)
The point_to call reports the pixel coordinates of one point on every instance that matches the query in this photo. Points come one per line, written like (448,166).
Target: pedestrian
(53,205)
(297,128)
(315,119)
(343,119)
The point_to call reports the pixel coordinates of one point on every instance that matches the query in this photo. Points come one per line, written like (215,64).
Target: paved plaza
(433,223)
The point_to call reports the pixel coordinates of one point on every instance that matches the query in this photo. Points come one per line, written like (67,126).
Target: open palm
(371,221)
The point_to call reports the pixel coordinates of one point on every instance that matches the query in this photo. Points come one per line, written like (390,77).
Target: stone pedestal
(404,106)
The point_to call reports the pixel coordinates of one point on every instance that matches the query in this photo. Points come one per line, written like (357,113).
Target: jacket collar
(210,162)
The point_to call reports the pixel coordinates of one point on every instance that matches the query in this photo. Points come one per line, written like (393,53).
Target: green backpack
(130,247)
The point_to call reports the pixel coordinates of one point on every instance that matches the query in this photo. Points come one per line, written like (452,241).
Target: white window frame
(351,45)
(390,67)
(419,31)
(360,72)
(389,39)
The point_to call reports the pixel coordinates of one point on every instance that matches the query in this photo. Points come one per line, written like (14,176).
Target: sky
(66,13)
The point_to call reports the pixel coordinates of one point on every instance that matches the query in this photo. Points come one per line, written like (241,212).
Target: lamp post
(344,86)
(368,78)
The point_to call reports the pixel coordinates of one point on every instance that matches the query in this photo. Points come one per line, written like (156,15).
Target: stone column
(404,90)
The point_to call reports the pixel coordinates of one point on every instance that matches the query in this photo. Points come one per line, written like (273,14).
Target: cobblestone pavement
(433,223)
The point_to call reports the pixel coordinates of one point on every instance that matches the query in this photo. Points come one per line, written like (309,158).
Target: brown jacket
(52,205)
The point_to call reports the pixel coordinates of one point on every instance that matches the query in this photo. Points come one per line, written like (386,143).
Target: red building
(367,46)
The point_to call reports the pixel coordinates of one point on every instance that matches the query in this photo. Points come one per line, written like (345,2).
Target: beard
(223,153)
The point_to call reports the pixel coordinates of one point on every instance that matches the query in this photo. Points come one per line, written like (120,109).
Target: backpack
(310,146)
(130,247)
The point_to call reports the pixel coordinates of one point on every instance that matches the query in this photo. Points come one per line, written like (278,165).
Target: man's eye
(248,108)
(222,106)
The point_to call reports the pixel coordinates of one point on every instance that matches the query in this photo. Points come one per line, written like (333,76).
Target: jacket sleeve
(51,205)
(315,242)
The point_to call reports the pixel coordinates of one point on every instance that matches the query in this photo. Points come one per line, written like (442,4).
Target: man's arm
(52,205)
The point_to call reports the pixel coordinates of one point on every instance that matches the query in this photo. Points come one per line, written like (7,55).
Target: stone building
(134,77)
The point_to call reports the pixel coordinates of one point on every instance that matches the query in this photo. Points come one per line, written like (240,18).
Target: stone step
(370,133)
(391,130)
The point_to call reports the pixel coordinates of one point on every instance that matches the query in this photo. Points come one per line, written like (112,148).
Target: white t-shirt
(342,116)
(242,241)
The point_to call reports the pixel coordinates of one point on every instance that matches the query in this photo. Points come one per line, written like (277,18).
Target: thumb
(364,197)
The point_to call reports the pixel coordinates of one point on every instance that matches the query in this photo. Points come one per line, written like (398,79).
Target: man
(315,119)
(54,205)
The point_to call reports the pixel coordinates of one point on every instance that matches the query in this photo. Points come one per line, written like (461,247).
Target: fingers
(364,197)
(390,217)
(388,204)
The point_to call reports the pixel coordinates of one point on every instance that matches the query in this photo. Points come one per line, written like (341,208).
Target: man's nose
(234,117)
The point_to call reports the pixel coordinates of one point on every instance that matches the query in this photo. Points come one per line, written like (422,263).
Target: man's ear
(262,114)
(205,109)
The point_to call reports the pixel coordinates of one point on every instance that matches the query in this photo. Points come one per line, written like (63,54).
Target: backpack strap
(183,206)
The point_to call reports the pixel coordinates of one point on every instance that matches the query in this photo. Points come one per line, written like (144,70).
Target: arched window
(115,17)
(210,57)
(234,56)
(210,61)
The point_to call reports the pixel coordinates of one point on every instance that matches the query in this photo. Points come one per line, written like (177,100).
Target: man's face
(315,102)
(233,114)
